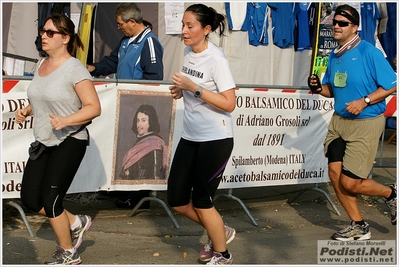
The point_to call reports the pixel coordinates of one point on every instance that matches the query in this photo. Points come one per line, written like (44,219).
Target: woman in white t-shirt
(206,84)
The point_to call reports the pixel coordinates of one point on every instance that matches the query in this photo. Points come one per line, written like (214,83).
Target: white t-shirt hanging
(210,70)
(236,13)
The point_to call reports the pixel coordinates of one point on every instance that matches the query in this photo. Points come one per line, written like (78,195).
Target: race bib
(340,79)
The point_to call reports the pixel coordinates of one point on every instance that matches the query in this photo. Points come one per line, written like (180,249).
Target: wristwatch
(367,100)
(198,92)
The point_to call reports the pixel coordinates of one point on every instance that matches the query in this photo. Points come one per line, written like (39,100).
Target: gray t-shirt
(55,94)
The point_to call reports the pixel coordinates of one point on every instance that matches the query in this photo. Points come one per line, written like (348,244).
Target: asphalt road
(286,232)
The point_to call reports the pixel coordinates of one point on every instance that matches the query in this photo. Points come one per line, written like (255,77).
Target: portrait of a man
(143,137)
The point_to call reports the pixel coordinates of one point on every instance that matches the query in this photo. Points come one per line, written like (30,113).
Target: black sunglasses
(341,23)
(49,33)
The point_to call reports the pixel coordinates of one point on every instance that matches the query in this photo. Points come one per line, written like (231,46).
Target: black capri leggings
(197,166)
(47,179)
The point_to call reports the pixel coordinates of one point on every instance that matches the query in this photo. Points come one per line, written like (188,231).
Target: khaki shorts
(361,137)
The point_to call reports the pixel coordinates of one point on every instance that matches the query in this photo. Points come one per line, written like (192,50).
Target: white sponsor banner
(278,139)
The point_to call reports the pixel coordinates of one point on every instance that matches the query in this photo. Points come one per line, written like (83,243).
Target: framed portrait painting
(143,137)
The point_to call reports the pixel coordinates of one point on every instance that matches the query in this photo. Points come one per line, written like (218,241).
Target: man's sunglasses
(341,23)
(49,33)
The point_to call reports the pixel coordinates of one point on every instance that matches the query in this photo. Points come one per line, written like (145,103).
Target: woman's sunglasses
(341,23)
(49,33)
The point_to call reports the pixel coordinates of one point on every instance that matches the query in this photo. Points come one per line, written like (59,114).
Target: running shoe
(392,206)
(353,232)
(218,259)
(63,257)
(206,253)
(77,234)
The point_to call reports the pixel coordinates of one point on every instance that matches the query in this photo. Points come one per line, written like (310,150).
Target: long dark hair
(66,27)
(152,119)
(208,16)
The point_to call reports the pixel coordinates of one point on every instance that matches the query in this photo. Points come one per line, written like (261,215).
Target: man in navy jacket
(138,55)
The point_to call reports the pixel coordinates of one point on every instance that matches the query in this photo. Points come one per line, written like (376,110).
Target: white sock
(77,223)
(72,250)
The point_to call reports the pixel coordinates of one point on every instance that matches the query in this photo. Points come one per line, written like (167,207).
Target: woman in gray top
(63,100)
